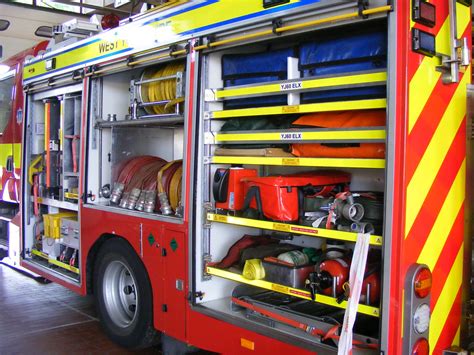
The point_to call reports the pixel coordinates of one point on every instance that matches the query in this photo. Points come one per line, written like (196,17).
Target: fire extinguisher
(329,277)
(370,293)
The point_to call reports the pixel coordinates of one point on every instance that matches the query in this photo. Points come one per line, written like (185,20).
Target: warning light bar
(424,13)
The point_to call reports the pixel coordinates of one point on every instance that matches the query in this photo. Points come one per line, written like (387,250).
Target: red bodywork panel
(10,181)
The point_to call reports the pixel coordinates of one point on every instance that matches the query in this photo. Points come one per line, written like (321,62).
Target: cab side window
(6,100)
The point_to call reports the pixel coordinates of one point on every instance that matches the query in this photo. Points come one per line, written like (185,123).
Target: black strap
(253,192)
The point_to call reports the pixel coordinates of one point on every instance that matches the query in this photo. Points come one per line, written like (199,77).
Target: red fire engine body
(139,141)
(10,141)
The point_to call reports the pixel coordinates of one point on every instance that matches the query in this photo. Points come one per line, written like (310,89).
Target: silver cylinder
(165,205)
(117,192)
(133,198)
(141,201)
(123,201)
(353,211)
(362,228)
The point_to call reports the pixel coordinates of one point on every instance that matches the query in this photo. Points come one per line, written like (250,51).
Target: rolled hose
(164,90)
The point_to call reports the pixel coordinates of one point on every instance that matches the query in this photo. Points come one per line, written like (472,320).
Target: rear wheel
(123,296)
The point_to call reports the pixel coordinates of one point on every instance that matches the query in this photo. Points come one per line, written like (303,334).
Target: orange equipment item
(342,119)
(279,198)
(228,187)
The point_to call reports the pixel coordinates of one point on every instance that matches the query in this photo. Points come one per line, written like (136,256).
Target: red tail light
(422,283)
(421,347)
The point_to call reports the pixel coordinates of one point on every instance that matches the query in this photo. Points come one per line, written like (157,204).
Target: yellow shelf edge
(295,161)
(291,228)
(295,135)
(305,84)
(55,262)
(330,301)
(304,108)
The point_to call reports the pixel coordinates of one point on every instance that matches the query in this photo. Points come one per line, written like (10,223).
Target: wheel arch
(91,260)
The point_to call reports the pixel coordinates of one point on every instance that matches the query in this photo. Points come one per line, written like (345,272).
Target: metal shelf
(330,301)
(59,204)
(152,121)
(291,228)
(298,85)
(305,135)
(290,161)
(297,109)
(55,262)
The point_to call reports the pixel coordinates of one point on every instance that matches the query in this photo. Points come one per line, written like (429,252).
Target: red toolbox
(279,198)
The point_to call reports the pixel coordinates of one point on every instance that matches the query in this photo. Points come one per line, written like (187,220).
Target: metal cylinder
(150,201)
(117,192)
(362,228)
(133,198)
(141,201)
(123,201)
(353,211)
(165,205)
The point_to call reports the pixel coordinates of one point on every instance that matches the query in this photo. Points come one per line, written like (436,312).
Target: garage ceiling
(123,8)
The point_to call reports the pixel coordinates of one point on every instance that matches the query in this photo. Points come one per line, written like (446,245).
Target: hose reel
(158,92)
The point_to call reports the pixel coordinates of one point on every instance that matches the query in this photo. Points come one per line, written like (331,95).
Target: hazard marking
(290,161)
(281,227)
(280,288)
(304,230)
(219,218)
(299,293)
(291,136)
(291,86)
(290,109)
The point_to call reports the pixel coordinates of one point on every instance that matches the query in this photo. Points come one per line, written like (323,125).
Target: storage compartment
(343,53)
(136,161)
(286,191)
(51,178)
(260,67)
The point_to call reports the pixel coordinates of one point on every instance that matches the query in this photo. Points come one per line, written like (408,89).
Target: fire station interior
(289,140)
(246,257)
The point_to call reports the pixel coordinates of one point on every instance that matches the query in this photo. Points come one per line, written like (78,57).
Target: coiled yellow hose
(161,90)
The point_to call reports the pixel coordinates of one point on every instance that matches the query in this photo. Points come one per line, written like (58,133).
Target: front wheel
(123,296)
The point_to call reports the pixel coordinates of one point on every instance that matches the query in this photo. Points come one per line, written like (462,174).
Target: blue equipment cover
(344,54)
(244,69)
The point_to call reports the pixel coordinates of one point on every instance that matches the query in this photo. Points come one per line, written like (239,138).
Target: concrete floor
(40,318)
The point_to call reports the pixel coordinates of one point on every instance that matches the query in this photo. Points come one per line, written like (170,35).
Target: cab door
(9,104)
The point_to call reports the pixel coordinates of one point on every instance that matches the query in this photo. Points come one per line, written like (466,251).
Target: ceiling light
(44,31)
(4,24)
(4,69)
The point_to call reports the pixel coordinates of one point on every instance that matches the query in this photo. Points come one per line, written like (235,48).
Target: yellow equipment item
(52,223)
(163,90)
(253,269)
(34,168)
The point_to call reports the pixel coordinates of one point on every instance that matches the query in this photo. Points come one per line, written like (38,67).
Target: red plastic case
(279,194)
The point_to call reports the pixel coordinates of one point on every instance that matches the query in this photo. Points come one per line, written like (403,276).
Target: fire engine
(267,176)
(11,114)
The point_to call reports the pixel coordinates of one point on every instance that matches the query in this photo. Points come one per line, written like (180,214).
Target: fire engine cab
(258,176)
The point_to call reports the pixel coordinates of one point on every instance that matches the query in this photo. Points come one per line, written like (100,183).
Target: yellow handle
(34,169)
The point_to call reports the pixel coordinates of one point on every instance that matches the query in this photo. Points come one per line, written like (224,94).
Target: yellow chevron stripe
(425,173)
(421,87)
(445,220)
(424,81)
(457,337)
(17,154)
(446,299)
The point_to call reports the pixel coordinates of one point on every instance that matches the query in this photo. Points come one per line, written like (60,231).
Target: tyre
(123,296)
